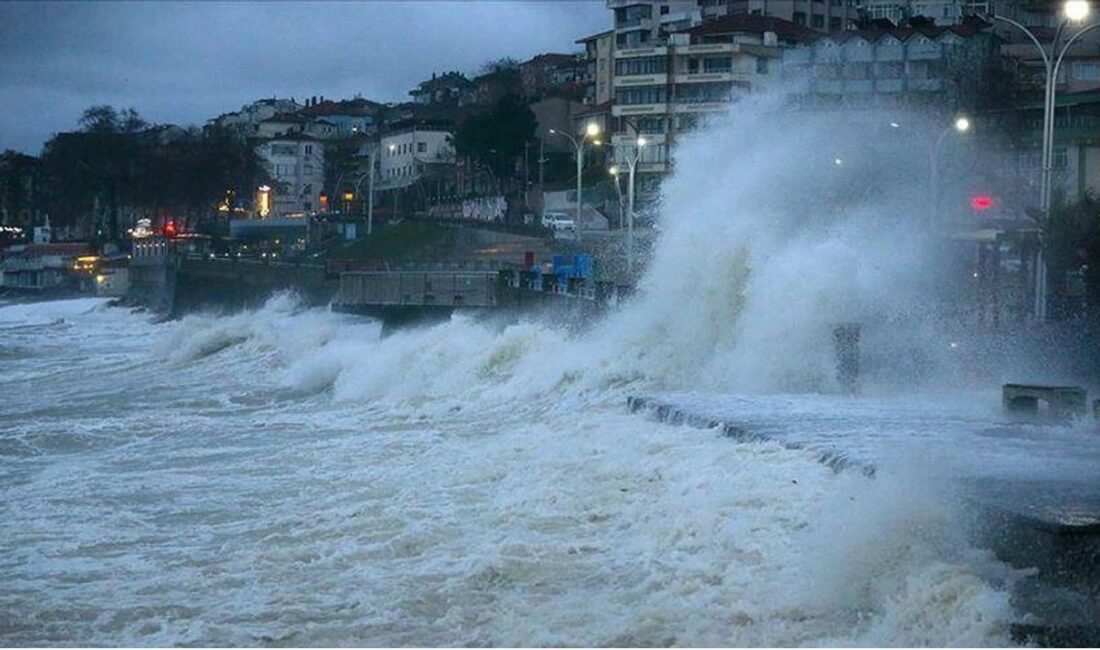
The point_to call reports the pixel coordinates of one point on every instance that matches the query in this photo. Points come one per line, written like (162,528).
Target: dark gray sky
(186,62)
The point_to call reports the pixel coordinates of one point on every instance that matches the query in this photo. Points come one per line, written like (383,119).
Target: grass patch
(399,241)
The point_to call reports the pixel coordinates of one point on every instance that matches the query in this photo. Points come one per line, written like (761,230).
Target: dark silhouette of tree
(497,139)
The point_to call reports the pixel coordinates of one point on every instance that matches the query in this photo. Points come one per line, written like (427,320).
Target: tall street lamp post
(1075,11)
(592,131)
(614,171)
(631,160)
(961,125)
(370,190)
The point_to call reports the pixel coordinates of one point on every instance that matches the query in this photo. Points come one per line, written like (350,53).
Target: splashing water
(286,476)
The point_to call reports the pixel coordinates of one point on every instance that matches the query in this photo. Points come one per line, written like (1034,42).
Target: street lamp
(370,189)
(1075,12)
(631,161)
(961,125)
(591,131)
(614,171)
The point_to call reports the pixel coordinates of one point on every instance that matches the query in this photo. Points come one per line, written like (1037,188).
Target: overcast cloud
(186,62)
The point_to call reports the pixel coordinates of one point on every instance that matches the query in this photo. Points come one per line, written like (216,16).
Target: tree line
(118,167)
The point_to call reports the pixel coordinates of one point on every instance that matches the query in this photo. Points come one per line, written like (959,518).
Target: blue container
(558,261)
(582,265)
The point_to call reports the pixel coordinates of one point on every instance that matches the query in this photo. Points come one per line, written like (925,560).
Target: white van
(558,221)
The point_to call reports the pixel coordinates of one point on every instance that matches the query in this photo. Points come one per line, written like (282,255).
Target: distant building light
(981,203)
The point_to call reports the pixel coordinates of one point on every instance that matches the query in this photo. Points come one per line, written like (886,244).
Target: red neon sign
(981,203)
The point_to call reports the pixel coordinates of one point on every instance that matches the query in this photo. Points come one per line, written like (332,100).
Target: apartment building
(643,23)
(597,70)
(667,89)
(822,15)
(412,151)
(296,164)
(935,68)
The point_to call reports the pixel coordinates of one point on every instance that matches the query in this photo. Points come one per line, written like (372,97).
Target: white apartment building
(664,90)
(642,23)
(296,164)
(408,153)
(822,15)
(245,120)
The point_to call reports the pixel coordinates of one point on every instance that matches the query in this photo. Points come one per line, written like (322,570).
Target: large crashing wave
(775,226)
(766,243)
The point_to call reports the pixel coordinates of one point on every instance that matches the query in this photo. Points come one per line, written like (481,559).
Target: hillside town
(587,134)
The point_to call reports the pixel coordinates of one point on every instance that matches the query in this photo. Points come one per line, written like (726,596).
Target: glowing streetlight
(591,131)
(961,125)
(1077,10)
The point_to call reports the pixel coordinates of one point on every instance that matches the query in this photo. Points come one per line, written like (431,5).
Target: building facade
(599,61)
(667,89)
(411,152)
(936,68)
(296,165)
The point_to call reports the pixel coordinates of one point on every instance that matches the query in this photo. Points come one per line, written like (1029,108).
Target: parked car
(558,221)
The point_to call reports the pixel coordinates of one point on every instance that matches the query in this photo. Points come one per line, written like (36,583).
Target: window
(641,65)
(632,39)
(633,15)
(818,21)
(693,66)
(664,10)
(799,18)
(282,150)
(761,65)
(703,93)
(307,168)
(309,149)
(421,147)
(834,24)
(650,124)
(720,64)
(1086,70)
(642,95)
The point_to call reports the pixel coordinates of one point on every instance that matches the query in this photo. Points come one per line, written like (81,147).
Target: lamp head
(614,170)
(962,124)
(592,130)
(1077,10)
(642,141)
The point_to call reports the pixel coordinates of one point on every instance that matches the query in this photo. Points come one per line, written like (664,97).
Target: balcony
(634,23)
(641,80)
(639,109)
(701,107)
(706,48)
(644,50)
(628,139)
(709,77)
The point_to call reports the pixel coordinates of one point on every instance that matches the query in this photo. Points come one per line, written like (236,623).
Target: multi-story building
(821,15)
(20,193)
(350,117)
(935,68)
(413,150)
(243,122)
(599,62)
(551,73)
(942,12)
(666,89)
(645,23)
(296,164)
(449,88)
(295,124)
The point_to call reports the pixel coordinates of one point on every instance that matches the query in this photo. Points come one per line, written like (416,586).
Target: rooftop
(753,24)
